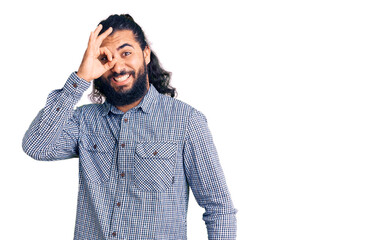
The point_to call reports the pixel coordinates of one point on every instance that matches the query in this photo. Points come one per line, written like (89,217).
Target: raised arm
(54,133)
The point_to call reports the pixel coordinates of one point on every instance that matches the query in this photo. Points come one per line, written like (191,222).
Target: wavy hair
(157,76)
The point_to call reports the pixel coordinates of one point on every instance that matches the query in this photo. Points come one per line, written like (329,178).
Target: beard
(123,97)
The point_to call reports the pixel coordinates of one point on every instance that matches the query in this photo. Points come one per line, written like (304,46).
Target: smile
(122,80)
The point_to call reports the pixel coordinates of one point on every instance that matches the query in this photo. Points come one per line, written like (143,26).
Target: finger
(110,64)
(100,39)
(94,35)
(90,45)
(106,51)
(97,30)
(91,39)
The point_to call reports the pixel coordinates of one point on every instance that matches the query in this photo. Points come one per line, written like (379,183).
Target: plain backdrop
(297,96)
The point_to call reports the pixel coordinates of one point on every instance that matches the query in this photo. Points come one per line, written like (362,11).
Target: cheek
(104,78)
(106,74)
(132,63)
(135,61)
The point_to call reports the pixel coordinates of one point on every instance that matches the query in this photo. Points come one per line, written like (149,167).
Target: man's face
(129,72)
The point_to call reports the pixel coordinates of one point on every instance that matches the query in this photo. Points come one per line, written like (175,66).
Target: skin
(106,55)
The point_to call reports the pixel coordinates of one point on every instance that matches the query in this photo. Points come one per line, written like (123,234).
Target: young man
(139,151)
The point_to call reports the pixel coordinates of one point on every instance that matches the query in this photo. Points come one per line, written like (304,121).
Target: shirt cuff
(75,85)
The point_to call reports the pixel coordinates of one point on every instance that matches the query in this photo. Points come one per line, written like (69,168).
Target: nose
(119,66)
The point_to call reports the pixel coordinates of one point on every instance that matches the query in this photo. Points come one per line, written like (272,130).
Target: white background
(297,95)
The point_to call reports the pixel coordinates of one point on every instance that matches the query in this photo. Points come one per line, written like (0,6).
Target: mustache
(115,75)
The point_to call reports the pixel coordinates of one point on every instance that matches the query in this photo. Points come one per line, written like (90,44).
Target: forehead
(120,37)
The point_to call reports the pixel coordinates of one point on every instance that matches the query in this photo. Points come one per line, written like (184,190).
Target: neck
(128,107)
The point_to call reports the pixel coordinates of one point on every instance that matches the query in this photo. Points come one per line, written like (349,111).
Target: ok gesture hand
(91,66)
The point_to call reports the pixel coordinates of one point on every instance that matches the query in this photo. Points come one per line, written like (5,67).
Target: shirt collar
(145,105)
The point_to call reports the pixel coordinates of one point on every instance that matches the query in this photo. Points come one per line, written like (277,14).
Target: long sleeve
(206,179)
(53,134)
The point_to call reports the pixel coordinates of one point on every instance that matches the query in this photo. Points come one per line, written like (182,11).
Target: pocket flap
(156,149)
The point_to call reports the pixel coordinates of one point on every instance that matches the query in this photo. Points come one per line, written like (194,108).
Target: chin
(122,88)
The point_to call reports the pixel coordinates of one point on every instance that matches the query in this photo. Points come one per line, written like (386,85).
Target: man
(139,151)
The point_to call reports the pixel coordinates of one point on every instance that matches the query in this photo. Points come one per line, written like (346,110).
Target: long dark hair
(157,76)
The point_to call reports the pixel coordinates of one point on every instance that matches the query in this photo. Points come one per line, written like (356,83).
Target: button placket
(120,201)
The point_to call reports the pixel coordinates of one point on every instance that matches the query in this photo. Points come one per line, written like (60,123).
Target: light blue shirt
(135,168)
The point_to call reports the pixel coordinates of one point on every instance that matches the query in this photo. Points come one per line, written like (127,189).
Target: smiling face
(127,82)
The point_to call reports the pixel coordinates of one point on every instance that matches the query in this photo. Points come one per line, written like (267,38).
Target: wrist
(75,86)
(83,76)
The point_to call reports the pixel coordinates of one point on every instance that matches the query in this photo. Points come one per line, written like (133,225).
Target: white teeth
(123,78)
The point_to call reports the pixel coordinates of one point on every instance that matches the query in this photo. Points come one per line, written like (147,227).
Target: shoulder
(176,106)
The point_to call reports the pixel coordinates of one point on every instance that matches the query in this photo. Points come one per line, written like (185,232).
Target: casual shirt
(135,168)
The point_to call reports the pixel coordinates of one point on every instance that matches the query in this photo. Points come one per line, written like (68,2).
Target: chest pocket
(97,153)
(154,165)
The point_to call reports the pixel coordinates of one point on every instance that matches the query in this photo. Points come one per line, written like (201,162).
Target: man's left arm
(206,179)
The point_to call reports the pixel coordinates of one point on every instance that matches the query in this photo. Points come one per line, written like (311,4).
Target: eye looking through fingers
(105,54)
(103,58)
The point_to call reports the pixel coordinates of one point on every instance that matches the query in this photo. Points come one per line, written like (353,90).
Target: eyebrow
(124,45)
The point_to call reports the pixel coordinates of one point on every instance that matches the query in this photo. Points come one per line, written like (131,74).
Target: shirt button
(154,153)
(74,85)
(57,109)
(123,145)
(95,146)
(118,204)
(126,120)
(114,234)
(123,174)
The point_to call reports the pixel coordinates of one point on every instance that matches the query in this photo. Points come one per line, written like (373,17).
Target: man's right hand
(91,66)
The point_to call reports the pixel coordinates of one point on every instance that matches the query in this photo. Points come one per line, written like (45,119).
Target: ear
(147,54)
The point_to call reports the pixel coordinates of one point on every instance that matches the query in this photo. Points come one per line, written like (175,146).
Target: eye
(103,59)
(127,53)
